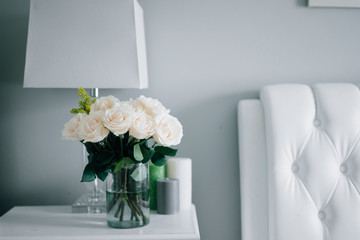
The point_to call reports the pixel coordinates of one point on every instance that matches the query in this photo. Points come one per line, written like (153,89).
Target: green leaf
(143,142)
(158,159)
(166,151)
(147,153)
(104,157)
(137,153)
(139,174)
(110,141)
(101,175)
(90,147)
(111,138)
(88,174)
(121,164)
(91,157)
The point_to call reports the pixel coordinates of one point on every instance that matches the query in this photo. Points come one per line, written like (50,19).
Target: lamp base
(90,203)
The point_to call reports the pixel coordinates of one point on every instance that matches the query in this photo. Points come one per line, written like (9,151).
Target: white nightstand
(58,223)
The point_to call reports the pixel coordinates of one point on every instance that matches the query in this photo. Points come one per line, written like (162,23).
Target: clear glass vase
(127,197)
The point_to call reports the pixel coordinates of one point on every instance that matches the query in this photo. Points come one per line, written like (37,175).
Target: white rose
(104,103)
(92,129)
(70,131)
(136,106)
(168,130)
(118,119)
(151,106)
(143,126)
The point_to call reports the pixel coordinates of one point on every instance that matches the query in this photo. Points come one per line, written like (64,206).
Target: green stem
(133,210)
(113,202)
(121,146)
(119,207)
(117,196)
(145,218)
(122,209)
(122,203)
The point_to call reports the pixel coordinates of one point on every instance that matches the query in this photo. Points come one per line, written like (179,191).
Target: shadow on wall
(13,32)
(211,140)
(7,169)
(32,164)
(302,3)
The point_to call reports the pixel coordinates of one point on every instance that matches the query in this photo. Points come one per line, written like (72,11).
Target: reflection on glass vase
(127,197)
(94,200)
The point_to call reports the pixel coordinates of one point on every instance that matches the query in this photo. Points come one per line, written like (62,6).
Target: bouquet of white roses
(118,134)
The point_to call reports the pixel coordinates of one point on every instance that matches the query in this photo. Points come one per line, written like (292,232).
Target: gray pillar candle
(168,196)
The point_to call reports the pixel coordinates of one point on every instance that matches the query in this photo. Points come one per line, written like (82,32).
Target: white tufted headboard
(300,163)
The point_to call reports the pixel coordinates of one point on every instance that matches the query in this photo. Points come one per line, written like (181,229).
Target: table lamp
(90,44)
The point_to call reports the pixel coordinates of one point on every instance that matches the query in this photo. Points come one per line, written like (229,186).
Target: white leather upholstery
(313,162)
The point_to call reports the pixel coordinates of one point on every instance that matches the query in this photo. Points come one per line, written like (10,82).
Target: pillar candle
(155,173)
(180,168)
(168,196)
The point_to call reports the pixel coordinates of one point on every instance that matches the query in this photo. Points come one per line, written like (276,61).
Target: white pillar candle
(180,168)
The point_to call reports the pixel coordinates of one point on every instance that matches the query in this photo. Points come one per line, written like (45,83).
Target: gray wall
(204,56)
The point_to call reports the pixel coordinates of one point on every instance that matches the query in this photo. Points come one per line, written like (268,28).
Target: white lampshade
(86,43)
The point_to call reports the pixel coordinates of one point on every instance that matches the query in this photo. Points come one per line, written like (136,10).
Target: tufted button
(322,215)
(317,123)
(343,168)
(295,168)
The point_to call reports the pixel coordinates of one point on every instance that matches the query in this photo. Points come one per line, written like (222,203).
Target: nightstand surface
(57,222)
